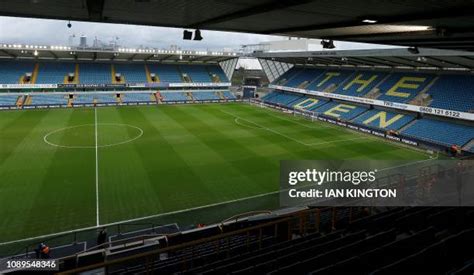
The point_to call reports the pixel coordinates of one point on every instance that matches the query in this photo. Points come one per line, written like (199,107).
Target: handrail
(175,247)
(246,214)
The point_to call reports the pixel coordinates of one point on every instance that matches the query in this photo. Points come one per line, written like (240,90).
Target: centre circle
(93,135)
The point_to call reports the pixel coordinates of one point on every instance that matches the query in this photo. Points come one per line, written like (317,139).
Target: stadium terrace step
(469,146)
(19,101)
(189,96)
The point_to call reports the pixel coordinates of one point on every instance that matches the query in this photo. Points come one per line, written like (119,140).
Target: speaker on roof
(187,35)
(197,35)
(327,44)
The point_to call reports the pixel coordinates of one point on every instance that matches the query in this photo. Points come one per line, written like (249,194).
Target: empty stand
(133,73)
(49,99)
(217,71)
(174,96)
(384,119)
(403,87)
(197,73)
(54,73)
(447,133)
(453,92)
(166,72)
(95,73)
(12,71)
(8,100)
(137,97)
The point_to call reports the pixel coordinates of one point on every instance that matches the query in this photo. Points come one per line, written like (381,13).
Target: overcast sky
(55,32)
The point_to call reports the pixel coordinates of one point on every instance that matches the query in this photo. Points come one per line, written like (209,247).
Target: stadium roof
(440,24)
(380,58)
(19,51)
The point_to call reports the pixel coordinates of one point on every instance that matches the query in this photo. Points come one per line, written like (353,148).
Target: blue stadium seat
(166,72)
(453,92)
(228,95)
(197,73)
(413,85)
(286,76)
(217,70)
(447,133)
(11,71)
(205,95)
(8,100)
(360,83)
(85,98)
(88,98)
(328,78)
(133,73)
(95,73)
(174,96)
(340,110)
(384,119)
(309,103)
(281,98)
(304,75)
(49,99)
(137,97)
(54,72)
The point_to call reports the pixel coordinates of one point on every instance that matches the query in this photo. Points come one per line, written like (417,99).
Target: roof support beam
(95,9)
(258,9)
(398,19)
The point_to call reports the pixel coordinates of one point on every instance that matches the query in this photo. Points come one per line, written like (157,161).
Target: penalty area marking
(45,138)
(260,127)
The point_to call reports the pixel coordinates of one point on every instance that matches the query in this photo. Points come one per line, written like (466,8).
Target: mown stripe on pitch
(253,167)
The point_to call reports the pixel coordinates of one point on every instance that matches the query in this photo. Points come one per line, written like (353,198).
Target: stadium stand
(166,72)
(280,98)
(85,98)
(330,80)
(228,95)
(383,119)
(197,73)
(402,87)
(202,95)
(357,240)
(453,92)
(447,133)
(137,97)
(95,73)
(8,100)
(48,99)
(340,110)
(216,70)
(360,83)
(11,71)
(133,73)
(54,73)
(303,78)
(288,75)
(174,96)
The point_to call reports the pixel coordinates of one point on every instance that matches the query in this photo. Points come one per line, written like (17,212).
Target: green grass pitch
(152,159)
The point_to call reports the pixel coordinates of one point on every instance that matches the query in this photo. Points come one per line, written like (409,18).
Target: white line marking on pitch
(141,218)
(45,138)
(288,137)
(96,168)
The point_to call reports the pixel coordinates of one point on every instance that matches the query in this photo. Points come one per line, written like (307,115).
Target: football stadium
(144,160)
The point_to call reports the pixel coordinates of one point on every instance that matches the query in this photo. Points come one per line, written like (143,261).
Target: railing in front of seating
(282,228)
